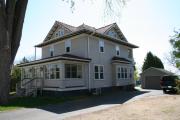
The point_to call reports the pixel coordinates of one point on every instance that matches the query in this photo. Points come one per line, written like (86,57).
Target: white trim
(65,89)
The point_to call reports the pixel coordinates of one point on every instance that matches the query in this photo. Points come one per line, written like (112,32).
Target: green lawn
(30,102)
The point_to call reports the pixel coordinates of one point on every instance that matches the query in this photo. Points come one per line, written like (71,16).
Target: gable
(59,29)
(115,32)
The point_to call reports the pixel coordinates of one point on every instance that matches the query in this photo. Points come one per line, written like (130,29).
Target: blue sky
(146,23)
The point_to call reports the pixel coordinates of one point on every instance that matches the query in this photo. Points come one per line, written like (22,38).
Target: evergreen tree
(152,61)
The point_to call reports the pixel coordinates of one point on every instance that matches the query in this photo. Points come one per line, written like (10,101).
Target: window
(51,50)
(117,51)
(129,53)
(101,46)
(99,72)
(59,33)
(73,71)
(130,73)
(124,72)
(112,34)
(68,46)
(52,71)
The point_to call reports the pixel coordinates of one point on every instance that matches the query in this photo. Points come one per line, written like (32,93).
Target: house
(150,78)
(81,58)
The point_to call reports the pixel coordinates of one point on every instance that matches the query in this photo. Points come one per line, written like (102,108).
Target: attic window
(59,33)
(112,34)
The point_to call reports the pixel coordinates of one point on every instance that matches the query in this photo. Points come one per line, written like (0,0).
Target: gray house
(150,78)
(80,58)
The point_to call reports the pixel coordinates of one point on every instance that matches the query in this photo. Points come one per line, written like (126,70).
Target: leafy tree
(152,61)
(12,13)
(136,76)
(175,42)
(15,77)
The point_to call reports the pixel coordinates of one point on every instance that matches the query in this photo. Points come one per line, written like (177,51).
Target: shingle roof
(100,32)
(120,60)
(105,28)
(159,69)
(55,58)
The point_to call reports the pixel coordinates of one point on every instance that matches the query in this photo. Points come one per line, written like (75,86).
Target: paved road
(68,109)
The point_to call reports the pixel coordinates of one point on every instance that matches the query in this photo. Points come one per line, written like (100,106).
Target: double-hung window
(130,55)
(101,46)
(117,51)
(51,50)
(52,71)
(99,72)
(68,46)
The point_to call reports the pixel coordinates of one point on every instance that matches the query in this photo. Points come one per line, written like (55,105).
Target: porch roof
(68,57)
(116,59)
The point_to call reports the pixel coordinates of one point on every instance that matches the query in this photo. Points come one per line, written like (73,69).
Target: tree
(136,75)
(152,61)
(15,77)
(12,13)
(175,42)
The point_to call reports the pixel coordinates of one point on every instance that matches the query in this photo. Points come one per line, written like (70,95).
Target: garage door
(152,82)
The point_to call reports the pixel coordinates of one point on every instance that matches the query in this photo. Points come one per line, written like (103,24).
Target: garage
(150,78)
(152,82)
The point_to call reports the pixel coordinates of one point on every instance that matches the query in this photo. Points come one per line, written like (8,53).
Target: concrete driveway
(72,108)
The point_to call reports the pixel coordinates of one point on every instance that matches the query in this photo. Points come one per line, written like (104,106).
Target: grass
(31,102)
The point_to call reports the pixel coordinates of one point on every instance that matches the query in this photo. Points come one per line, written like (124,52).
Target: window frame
(117,50)
(67,45)
(50,69)
(124,73)
(71,71)
(51,50)
(99,72)
(101,45)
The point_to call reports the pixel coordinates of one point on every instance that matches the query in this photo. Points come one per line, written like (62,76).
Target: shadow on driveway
(117,97)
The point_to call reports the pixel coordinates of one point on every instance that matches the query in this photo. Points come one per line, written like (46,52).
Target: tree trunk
(12,13)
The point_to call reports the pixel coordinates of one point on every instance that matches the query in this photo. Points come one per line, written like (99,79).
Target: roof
(158,69)
(55,58)
(100,32)
(116,59)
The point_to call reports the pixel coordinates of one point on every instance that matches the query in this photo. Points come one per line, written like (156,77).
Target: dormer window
(117,51)
(68,46)
(59,33)
(51,50)
(101,46)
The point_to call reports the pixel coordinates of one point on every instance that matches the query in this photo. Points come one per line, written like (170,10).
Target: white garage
(150,78)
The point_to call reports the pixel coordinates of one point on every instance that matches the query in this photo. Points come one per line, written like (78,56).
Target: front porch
(57,75)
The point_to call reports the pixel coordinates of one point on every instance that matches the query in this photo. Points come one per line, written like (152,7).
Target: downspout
(89,65)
